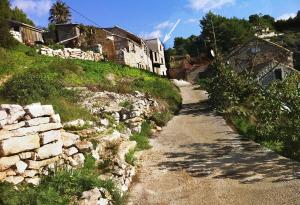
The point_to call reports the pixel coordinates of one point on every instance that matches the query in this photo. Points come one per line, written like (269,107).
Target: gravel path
(198,159)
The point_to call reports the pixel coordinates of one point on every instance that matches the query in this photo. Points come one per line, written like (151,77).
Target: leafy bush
(31,87)
(161,118)
(270,116)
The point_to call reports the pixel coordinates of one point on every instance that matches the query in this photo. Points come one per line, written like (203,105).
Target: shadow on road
(196,109)
(236,158)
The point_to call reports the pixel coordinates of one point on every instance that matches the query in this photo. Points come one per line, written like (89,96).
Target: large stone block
(21,167)
(30,173)
(16,145)
(71,151)
(5,134)
(38,164)
(37,110)
(37,129)
(14,126)
(7,162)
(51,136)
(16,112)
(27,155)
(84,146)
(37,121)
(124,148)
(14,179)
(49,150)
(69,139)
(3,115)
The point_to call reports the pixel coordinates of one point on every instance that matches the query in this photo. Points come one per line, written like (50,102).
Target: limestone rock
(16,112)
(90,197)
(14,126)
(3,115)
(75,123)
(84,146)
(35,181)
(79,158)
(2,175)
(7,162)
(29,173)
(51,136)
(37,129)
(27,155)
(14,179)
(16,145)
(37,121)
(49,150)
(38,164)
(5,134)
(71,151)
(21,167)
(55,118)
(37,110)
(69,139)
(124,148)
(104,122)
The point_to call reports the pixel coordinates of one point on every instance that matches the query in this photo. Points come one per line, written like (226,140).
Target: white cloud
(164,25)
(286,16)
(34,7)
(153,34)
(206,5)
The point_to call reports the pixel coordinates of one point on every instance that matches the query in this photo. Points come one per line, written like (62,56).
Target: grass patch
(130,157)
(61,188)
(142,138)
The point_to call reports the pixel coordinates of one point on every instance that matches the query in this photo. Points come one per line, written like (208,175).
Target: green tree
(225,33)
(18,15)
(60,13)
(6,40)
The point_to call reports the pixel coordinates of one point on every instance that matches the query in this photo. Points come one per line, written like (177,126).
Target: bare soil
(198,159)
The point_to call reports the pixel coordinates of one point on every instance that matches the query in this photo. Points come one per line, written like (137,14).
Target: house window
(278,74)
(162,60)
(155,57)
(160,48)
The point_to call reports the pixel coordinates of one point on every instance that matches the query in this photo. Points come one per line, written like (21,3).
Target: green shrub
(31,53)
(161,118)
(31,87)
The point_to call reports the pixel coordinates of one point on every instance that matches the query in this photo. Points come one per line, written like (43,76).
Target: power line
(83,16)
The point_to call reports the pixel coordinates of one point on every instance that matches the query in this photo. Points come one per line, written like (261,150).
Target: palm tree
(59,13)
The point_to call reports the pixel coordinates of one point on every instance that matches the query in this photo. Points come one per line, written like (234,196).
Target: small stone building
(130,49)
(267,60)
(25,33)
(157,54)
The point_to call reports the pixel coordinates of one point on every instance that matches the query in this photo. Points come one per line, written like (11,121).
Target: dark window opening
(278,74)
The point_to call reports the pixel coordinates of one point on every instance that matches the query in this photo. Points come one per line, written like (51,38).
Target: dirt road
(198,159)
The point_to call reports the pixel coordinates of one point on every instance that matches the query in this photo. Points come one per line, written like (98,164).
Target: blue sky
(155,18)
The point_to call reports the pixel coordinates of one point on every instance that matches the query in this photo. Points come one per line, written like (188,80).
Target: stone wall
(72,53)
(17,35)
(32,143)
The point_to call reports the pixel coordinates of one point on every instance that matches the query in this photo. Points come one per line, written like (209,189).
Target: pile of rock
(16,35)
(72,53)
(32,143)
(132,109)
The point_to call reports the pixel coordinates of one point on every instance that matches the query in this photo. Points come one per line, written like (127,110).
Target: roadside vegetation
(270,116)
(63,187)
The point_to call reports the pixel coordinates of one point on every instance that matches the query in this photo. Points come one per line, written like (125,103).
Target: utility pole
(214,35)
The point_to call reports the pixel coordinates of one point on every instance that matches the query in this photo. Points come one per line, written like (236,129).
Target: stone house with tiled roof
(267,60)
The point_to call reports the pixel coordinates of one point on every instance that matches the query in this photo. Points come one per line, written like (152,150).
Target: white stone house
(130,49)
(157,54)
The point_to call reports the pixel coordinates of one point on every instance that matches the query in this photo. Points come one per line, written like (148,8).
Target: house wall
(132,54)
(157,56)
(268,76)
(259,52)
(65,32)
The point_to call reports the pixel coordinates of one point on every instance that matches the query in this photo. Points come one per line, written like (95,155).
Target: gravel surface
(198,159)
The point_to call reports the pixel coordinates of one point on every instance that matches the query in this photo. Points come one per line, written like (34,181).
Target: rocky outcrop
(72,53)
